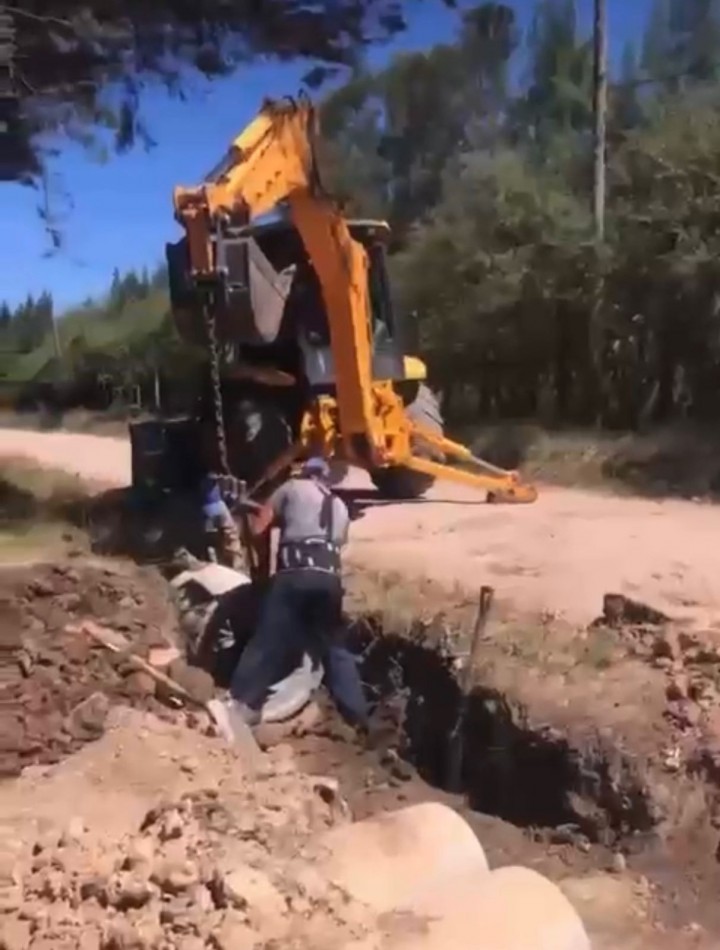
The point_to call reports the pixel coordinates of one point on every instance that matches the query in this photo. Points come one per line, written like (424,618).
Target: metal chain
(214,353)
(231,487)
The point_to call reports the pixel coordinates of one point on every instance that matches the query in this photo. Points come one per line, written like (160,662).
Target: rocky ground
(595,747)
(60,683)
(125,823)
(154,838)
(127,814)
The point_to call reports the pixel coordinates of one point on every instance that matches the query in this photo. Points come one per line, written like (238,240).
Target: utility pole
(600,114)
(596,375)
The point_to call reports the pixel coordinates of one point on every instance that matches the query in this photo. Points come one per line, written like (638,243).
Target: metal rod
(456,751)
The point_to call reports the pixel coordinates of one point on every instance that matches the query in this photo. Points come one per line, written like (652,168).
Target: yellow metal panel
(414,368)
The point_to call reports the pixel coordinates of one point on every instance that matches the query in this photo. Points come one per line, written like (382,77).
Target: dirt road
(559,555)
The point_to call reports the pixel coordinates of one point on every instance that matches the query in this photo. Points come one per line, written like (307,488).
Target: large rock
(512,908)
(388,859)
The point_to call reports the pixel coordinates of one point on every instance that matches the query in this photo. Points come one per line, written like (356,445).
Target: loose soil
(154,838)
(71,692)
(612,728)
(603,737)
(60,683)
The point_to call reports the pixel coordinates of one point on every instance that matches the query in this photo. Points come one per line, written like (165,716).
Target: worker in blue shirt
(221,530)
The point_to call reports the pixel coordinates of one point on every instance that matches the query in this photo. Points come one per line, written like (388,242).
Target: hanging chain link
(232,488)
(219,416)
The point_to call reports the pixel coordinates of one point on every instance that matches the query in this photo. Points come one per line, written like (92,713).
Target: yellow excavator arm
(272,162)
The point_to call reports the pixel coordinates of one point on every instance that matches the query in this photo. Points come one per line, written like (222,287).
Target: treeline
(130,287)
(487,182)
(123,347)
(28,325)
(479,152)
(24,327)
(115,349)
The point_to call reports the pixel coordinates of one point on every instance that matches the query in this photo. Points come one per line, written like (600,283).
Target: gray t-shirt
(297,506)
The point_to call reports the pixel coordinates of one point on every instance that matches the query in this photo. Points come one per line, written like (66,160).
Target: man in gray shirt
(303,607)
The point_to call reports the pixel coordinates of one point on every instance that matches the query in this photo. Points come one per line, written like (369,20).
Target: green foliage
(23,330)
(681,43)
(487,185)
(121,339)
(77,68)
(519,315)
(393,133)
(559,92)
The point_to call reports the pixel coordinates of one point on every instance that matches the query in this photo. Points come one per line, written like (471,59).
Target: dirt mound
(193,855)
(59,684)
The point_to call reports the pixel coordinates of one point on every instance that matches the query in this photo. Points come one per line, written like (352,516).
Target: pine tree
(159,278)
(695,39)
(115,298)
(43,316)
(558,96)
(625,103)
(656,43)
(681,45)
(5,323)
(23,324)
(132,286)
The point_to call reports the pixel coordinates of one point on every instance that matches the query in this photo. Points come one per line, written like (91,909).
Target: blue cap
(316,466)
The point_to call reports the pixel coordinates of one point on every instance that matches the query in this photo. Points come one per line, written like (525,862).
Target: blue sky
(119,214)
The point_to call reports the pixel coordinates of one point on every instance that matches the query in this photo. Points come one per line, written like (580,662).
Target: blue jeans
(302,613)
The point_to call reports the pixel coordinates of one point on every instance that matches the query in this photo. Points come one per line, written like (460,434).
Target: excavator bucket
(519,494)
(249,293)
(255,293)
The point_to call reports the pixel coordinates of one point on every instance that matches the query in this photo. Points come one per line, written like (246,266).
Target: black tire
(402,483)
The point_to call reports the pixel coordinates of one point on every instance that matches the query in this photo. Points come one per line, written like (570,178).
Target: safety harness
(316,554)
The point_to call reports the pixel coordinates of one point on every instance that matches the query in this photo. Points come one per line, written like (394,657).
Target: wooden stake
(456,742)
(113,640)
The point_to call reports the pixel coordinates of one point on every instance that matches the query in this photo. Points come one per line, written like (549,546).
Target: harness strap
(314,553)
(327,511)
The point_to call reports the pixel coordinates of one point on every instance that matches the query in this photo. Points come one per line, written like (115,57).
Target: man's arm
(261,521)
(261,518)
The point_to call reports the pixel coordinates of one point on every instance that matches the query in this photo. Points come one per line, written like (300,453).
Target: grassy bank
(42,511)
(681,462)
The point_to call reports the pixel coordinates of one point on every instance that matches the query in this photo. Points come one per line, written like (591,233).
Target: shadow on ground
(359,500)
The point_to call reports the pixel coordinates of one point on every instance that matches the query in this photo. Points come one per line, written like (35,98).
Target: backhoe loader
(305,352)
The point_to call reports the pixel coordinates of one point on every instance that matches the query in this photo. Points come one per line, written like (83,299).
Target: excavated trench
(528,774)
(559,786)
(532,776)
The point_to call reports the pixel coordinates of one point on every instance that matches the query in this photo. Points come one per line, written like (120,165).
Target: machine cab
(268,299)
